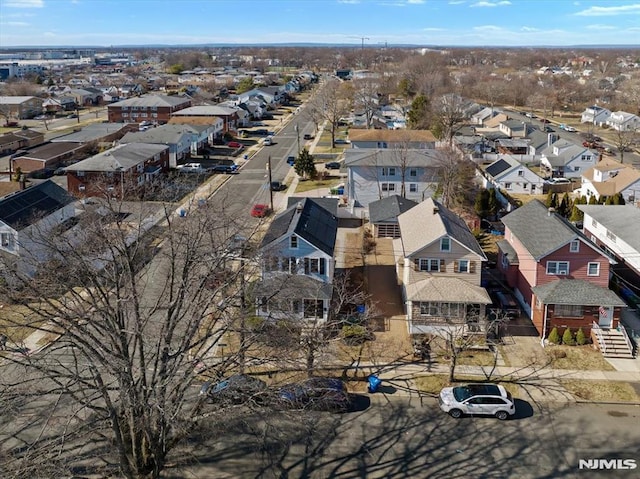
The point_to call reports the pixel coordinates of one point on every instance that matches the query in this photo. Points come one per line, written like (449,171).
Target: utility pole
(295,127)
(270,189)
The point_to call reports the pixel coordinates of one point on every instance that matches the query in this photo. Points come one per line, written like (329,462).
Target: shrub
(554,337)
(558,353)
(354,333)
(567,338)
(581,338)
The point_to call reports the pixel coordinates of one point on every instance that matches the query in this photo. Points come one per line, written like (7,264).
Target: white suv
(482,399)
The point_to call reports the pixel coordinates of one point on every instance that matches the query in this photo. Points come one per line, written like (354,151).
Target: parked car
(60,171)
(291,160)
(558,181)
(260,210)
(235,144)
(308,136)
(477,399)
(228,169)
(72,115)
(191,168)
(544,120)
(570,129)
(268,141)
(332,165)
(326,394)
(236,389)
(278,186)
(261,132)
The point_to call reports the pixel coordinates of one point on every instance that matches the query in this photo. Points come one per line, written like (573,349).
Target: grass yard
(307,185)
(577,357)
(601,390)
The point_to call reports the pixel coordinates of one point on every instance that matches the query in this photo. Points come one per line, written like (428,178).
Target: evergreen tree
(565,206)
(481,204)
(592,200)
(304,165)
(549,201)
(581,338)
(567,337)
(494,204)
(554,337)
(618,199)
(609,200)
(418,115)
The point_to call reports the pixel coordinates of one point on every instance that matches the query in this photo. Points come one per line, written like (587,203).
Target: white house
(373,174)
(610,177)
(564,158)
(509,174)
(595,115)
(623,121)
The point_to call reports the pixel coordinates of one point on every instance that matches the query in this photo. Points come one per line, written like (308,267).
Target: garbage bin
(183,213)
(374,383)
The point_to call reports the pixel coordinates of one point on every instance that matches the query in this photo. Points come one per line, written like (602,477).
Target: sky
(357,22)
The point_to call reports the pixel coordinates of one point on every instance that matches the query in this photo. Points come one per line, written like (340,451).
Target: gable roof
(427,221)
(497,167)
(152,101)
(391,157)
(388,209)
(120,157)
(92,132)
(329,204)
(541,232)
(398,136)
(622,220)
(18,209)
(576,292)
(307,219)
(446,289)
(169,133)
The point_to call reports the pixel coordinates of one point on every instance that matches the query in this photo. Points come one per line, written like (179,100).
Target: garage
(387,230)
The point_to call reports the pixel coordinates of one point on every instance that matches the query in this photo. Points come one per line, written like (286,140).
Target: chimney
(435,210)
(550,139)
(299,206)
(551,211)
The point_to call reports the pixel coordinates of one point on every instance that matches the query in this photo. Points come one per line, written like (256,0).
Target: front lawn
(577,357)
(601,390)
(307,185)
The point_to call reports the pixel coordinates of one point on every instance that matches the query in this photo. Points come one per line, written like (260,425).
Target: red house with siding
(559,275)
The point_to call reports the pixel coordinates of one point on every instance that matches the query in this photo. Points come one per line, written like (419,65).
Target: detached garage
(383,215)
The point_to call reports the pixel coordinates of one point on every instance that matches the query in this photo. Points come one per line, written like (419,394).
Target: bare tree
(449,115)
(328,105)
(137,324)
(365,97)
(455,177)
(624,140)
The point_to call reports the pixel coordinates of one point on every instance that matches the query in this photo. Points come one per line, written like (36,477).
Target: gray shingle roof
(576,292)
(309,220)
(621,220)
(539,231)
(293,286)
(448,290)
(388,209)
(121,157)
(151,101)
(169,133)
(391,157)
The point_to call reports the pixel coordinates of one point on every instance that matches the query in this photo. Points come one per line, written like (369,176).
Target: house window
(445,244)
(560,268)
(585,157)
(79,173)
(426,264)
(507,186)
(125,115)
(314,266)
(413,187)
(140,180)
(6,240)
(429,309)
(413,172)
(611,236)
(520,172)
(293,242)
(388,187)
(463,266)
(574,246)
(313,308)
(140,167)
(388,171)
(593,269)
(568,311)
(154,115)
(576,168)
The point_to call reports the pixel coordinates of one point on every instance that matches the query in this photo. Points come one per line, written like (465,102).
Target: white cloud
(24,3)
(491,4)
(16,24)
(610,11)
(433,29)
(488,28)
(529,29)
(600,27)
(415,2)
(352,2)
(456,2)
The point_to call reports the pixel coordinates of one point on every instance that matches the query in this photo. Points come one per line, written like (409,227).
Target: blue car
(236,389)
(325,394)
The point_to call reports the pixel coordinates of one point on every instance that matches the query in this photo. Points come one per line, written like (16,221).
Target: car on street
(319,393)
(260,210)
(268,141)
(544,120)
(235,144)
(308,136)
(291,160)
(236,389)
(332,165)
(477,399)
(73,115)
(278,186)
(228,169)
(570,129)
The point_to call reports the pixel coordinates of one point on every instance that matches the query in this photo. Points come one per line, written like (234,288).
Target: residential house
(616,229)
(515,128)
(59,104)
(538,141)
(208,130)
(393,139)
(271,96)
(510,175)
(99,134)
(88,96)
(481,117)
(566,159)
(120,172)
(560,276)
(595,115)
(229,115)
(373,174)
(610,177)
(383,215)
(26,214)
(439,265)
(154,108)
(298,263)
(623,121)
(20,107)
(182,140)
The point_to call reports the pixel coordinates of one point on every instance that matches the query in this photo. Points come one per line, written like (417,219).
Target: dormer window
(445,244)
(293,242)
(574,246)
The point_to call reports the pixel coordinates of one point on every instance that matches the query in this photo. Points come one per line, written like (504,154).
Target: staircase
(614,343)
